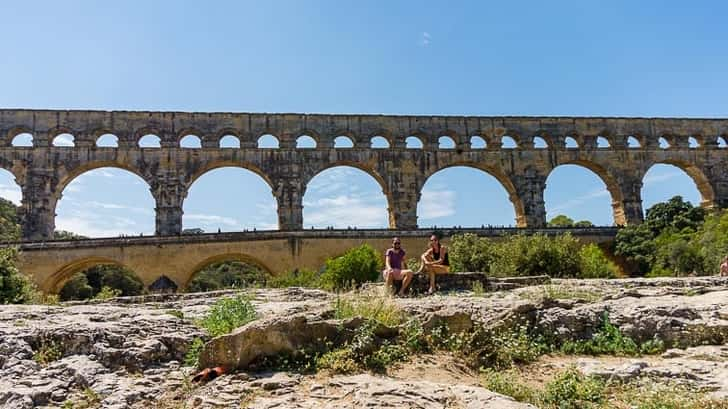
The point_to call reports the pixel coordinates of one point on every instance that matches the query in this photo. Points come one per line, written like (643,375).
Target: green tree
(358,265)
(9,221)
(89,283)
(675,213)
(227,274)
(561,221)
(14,287)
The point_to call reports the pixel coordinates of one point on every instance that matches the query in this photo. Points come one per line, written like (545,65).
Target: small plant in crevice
(192,355)
(375,308)
(107,293)
(48,351)
(610,340)
(227,314)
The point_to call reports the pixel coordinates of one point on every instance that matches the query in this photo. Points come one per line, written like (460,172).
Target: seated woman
(395,267)
(435,261)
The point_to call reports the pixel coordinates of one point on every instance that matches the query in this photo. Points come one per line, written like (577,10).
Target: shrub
(15,288)
(295,278)
(356,266)
(378,309)
(469,252)
(227,314)
(227,274)
(107,293)
(508,383)
(608,340)
(521,255)
(571,389)
(89,283)
(47,352)
(594,264)
(192,355)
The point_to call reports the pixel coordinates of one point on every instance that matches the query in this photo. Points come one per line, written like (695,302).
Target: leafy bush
(521,255)
(468,252)
(47,352)
(356,266)
(610,340)
(296,278)
(227,314)
(192,355)
(571,389)
(89,283)
(107,293)
(594,264)
(15,288)
(227,274)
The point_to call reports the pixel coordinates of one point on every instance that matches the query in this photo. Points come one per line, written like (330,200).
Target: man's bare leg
(405,281)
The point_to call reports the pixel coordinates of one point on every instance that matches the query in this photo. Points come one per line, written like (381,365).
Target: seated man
(435,261)
(395,267)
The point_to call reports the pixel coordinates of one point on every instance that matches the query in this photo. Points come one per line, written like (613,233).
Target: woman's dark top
(436,256)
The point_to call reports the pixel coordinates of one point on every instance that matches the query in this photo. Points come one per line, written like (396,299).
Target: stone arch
(145,132)
(190,141)
(478,142)
(152,140)
(413,142)
(268,141)
(603,142)
(540,143)
(502,179)
(107,140)
(65,140)
(721,141)
(68,175)
(570,142)
(383,134)
(196,212)
(305,142)
(693,142)
(371,172)
(57,279)
(446,142)
(707,194)
(229,141)
(379,142)
(12,192)
(663,143)
(509,142)
(16,132)
(242,257)
(634,142)
(22,140)
(343,142)
(615,191)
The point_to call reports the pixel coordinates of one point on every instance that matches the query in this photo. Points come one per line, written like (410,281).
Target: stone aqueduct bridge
(178,258)
(43,170)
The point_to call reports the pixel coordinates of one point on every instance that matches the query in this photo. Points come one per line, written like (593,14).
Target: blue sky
(647,58)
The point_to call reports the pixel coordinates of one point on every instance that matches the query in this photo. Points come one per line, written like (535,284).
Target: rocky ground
(128,352)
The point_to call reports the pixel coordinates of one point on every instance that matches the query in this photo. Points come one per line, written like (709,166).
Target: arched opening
(343,142)
(379,142)
(664,144)
(190,142)
(465,196)
(91,205)
(539,143)
(580,194)
(344,197)
(693,143)
(664,181)
(22,140)
(101,281)
(150,141)
(633,142)
(305,142)
(230,142)
(268,141)
(570,142)
(226,272)
(64,140)
(413,142)
(445,142)
(477,142)
(721,142)
(107,141)
(229,199)
(10,198)
(603,142)
(508,142)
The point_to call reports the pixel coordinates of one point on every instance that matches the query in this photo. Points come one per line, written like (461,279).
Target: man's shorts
(396,274)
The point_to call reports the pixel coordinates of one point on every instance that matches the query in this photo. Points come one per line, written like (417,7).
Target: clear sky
(646,58)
